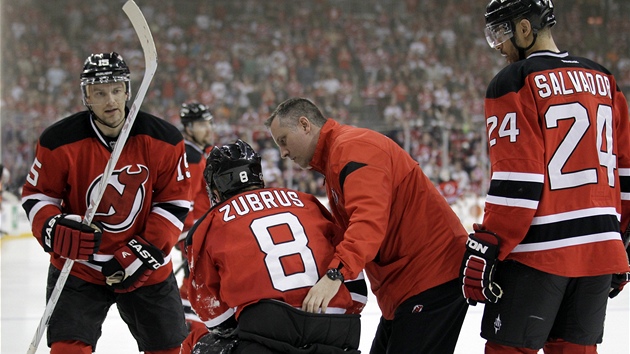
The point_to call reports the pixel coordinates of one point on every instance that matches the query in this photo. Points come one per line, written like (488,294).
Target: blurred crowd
(415,70)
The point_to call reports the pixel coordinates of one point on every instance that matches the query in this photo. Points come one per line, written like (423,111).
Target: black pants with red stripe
(153,313)
(427,323)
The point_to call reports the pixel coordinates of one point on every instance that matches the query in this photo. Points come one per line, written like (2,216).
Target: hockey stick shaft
(181,267)
(150,58)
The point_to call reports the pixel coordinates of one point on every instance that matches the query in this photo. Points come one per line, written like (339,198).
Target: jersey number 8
(274,252)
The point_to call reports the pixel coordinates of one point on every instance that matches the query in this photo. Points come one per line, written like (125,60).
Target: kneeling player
(253,258)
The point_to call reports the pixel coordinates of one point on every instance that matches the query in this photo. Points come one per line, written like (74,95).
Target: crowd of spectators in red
(415,70)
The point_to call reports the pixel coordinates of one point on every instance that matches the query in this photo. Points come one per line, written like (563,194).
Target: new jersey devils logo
(123,198)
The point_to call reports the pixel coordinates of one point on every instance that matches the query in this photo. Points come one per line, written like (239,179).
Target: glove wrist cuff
(150,255)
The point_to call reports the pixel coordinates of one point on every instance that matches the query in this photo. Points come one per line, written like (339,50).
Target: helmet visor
(223,182)
(498,34)
(105,79)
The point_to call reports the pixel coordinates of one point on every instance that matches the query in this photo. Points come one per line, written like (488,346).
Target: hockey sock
(70,347)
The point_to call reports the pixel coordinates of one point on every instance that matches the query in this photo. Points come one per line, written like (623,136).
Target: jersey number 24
(557,178)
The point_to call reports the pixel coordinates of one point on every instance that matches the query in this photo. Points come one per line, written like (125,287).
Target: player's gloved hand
(478,266)
(132,265)
(226,328)
(221,339)
(619,280)
(216,344)
(67,236)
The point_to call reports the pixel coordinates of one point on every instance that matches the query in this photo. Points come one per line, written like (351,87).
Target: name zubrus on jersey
(146,255)
(257,201)
(571,82)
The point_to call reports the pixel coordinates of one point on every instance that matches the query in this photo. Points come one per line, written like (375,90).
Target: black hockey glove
(212,343)
(620,280)
(67,236)
(617,284)
(222,339)
(478,266)
(132,265)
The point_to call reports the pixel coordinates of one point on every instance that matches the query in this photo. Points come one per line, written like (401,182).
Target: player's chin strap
(521,50)
(198,144)
(96,118)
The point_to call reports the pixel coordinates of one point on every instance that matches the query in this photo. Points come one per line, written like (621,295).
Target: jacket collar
(326,138)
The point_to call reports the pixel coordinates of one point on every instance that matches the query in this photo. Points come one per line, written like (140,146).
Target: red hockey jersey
(271,243)
(198,193)
(396,222)
(147,194)
(559,147)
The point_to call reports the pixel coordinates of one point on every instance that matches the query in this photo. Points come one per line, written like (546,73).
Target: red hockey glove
(617,284)
(67,236)
(132,265)
(478,266)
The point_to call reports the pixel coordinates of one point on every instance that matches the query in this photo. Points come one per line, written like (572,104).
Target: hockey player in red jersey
(254,256)
(396,225)
(198,135)
(549,252)
(124,258)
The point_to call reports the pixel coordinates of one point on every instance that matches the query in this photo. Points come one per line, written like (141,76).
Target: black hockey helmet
(500,15)
(232,168)
(103,68)
(194,111)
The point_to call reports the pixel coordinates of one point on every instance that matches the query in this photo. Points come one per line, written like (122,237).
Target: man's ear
(304,124)
(525,27)
(188,128)
(215,197)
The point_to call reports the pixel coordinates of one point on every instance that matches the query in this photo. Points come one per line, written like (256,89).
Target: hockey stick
(150,59)
(181,267)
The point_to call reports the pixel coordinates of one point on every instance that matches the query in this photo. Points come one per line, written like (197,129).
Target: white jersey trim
(329,310)
(543,53)
(42,201)
(168,216)
(106,257)
(512,202)
(181,203)
(576,214)
(573,241)
(220,319)
(359,298)
(518,176)
(624,171)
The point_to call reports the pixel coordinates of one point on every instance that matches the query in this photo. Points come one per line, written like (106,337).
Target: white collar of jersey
(99,135)
(193,145)
(548,53)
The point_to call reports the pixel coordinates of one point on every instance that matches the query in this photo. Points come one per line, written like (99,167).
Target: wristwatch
(334,274)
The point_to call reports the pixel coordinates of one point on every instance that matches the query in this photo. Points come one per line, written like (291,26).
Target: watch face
(334,274)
